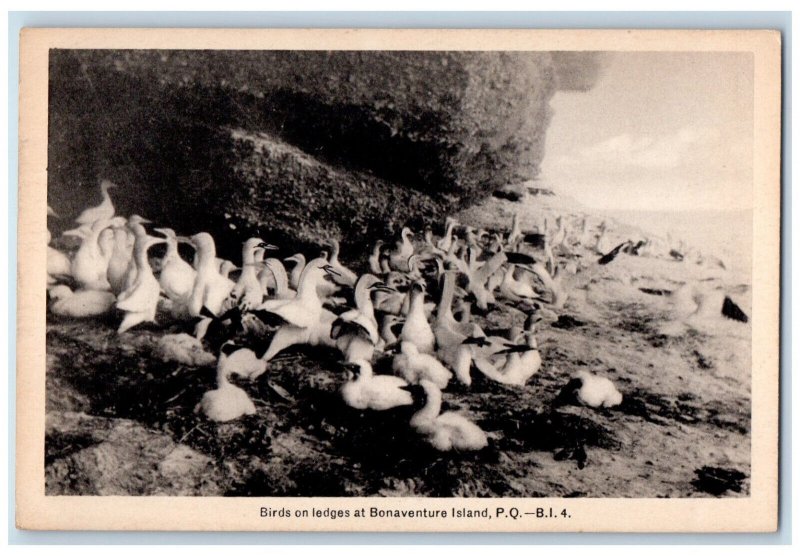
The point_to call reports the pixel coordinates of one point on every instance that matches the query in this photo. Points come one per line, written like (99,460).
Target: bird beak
(475,340)
(184,239)
(513,348)
(381,287)
(268,246)
(51,212)
(330,270)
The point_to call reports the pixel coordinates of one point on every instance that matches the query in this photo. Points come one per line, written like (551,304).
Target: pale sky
(659,131)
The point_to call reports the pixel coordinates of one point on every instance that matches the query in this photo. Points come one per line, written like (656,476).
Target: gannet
(604,243)
(318,334)
(140,301)
(554,284)
(356,330)
(225,268)
(477,279)
(392,301)
(447,239)
(299,263)
(305,308)
(589,390)
(414,366)
(59,266)
(177,276)
(121,256)
(398,258)
(516,290)
(185,349)
(390,328)
(344,276)
(364,390)
(560,233)
(447,330)
(274,270)
(248,293)
(103,211)
(414,267)
(515,233)
(135,230)
(210,288)
(227,402)
(446,431)
(522,361)
(81,303)
(89,265)
(241,361)
(375,258)
(416,329)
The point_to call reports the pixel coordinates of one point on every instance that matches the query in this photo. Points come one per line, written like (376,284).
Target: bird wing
(295,314)
(385,392)
(356,322)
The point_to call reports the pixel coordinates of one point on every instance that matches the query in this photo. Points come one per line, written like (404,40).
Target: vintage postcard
(398,280)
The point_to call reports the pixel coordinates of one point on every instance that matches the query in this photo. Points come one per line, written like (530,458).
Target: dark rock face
(303,144)
(105,457)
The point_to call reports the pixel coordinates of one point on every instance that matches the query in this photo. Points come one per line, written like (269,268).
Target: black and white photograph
(438,273)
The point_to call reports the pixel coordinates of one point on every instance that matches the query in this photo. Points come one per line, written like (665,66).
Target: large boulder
(300,143)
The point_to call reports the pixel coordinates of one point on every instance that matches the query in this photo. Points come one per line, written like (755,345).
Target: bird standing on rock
(177,276)
(81,303)
(301,320)
(248,293)
(416,329)
(446,431)
(364,390)
(590,390)
(356,330)
(210,288)
(90,264)
(344,276)
(398,258)
(414,366)
(140,301)
(228,402)
(103,211)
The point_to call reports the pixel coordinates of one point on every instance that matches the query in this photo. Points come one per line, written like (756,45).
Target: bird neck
(445,309)
(141,255)
(222,371)
(172,248)
(433,404)
(448,232)
(248,255)
(334,257)
(279,274)
(105,194)
(297,271)
(363,299)
(364,373)
(416,307)
(307,288)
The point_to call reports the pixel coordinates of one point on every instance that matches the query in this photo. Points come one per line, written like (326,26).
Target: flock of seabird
(411,312)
